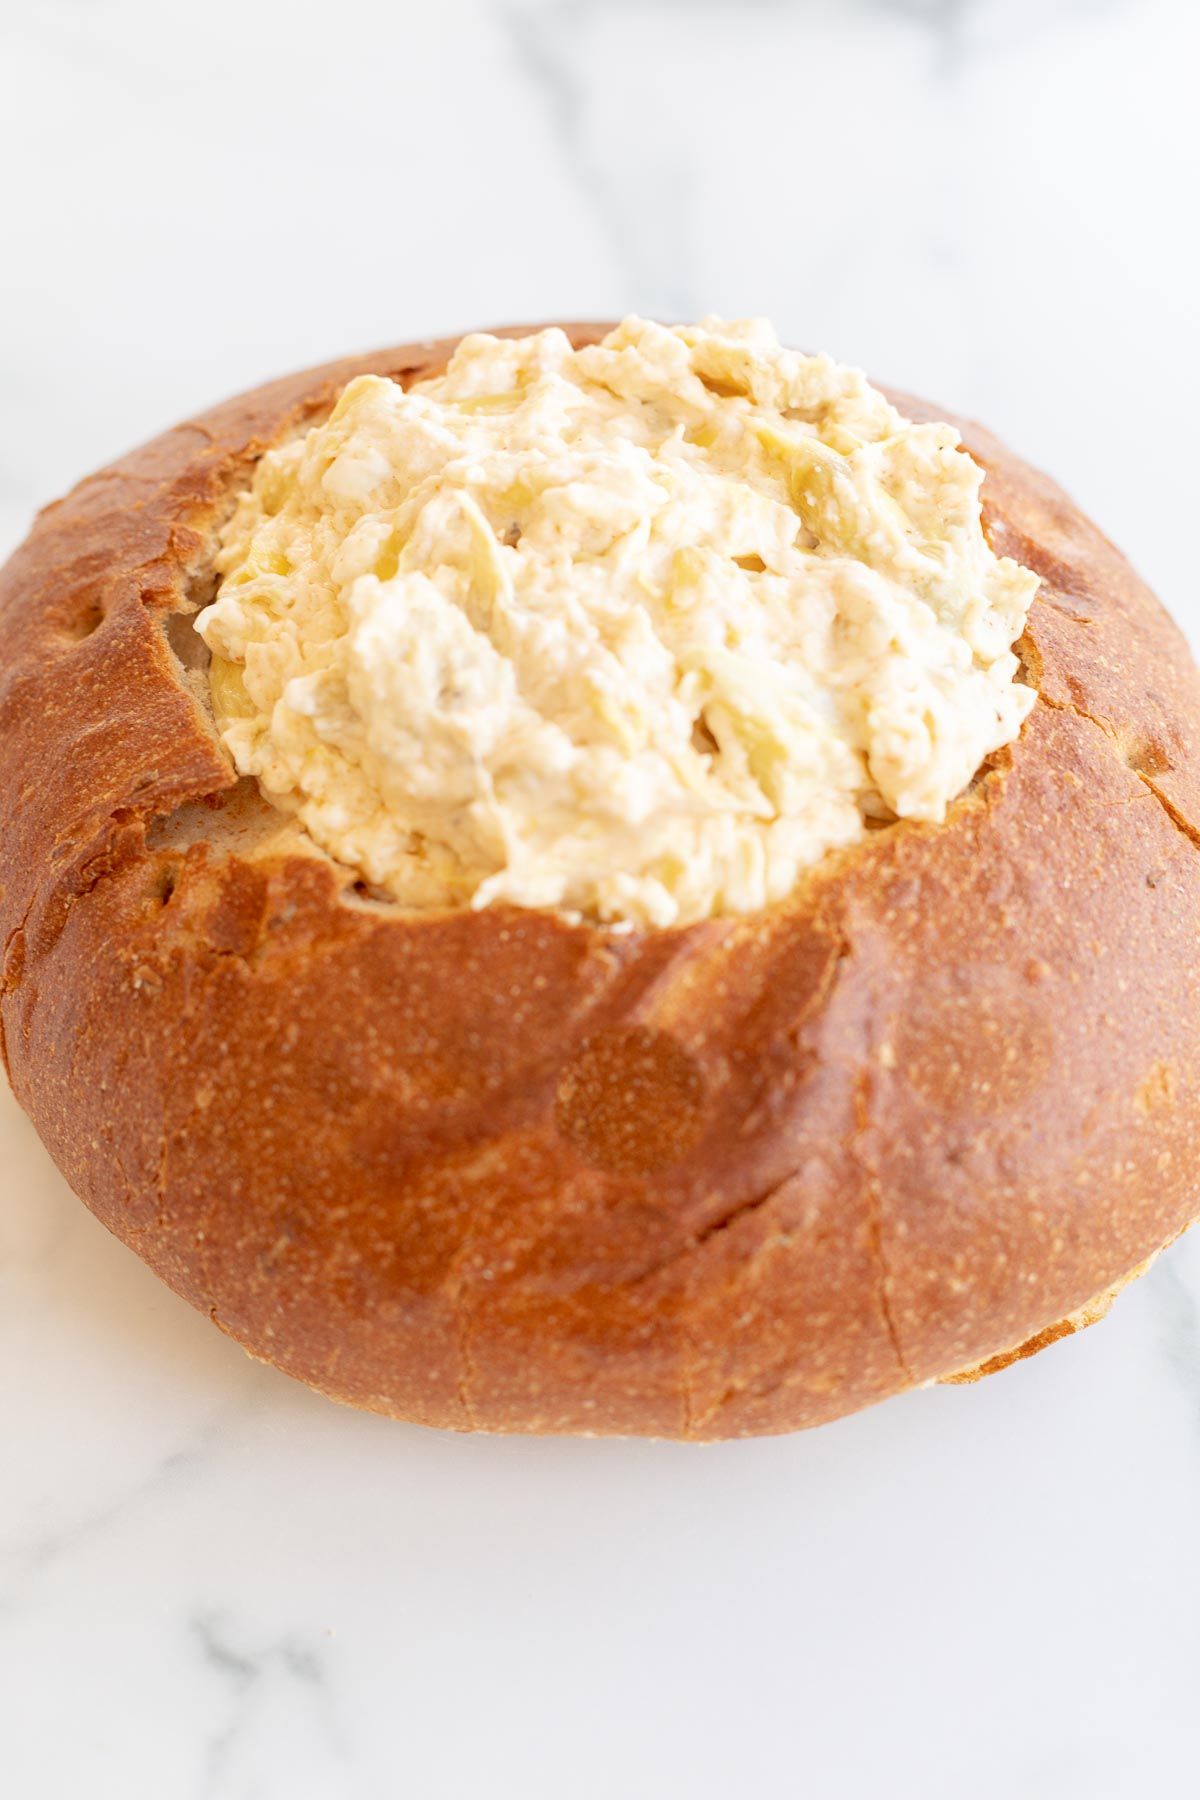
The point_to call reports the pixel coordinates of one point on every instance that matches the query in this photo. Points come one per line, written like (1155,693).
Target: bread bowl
(524,1167)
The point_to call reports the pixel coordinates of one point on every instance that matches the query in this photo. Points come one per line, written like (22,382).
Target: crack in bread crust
(874,1194)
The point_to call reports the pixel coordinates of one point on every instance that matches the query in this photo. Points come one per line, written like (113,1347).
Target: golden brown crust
(503,1171)
(1091,1313)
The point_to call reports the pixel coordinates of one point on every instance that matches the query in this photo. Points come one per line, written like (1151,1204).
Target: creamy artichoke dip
(639,631)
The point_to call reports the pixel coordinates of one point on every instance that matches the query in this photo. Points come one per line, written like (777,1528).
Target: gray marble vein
(960,26)
(1174,1284)
(291,1670)
(26,1559)
(552,47)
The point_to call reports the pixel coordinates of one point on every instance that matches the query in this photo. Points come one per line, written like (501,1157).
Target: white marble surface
(213,1584)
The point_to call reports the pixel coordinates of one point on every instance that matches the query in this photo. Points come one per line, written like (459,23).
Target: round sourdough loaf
(505,1170)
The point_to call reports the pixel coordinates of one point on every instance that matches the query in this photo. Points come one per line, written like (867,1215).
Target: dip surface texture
(638,631)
